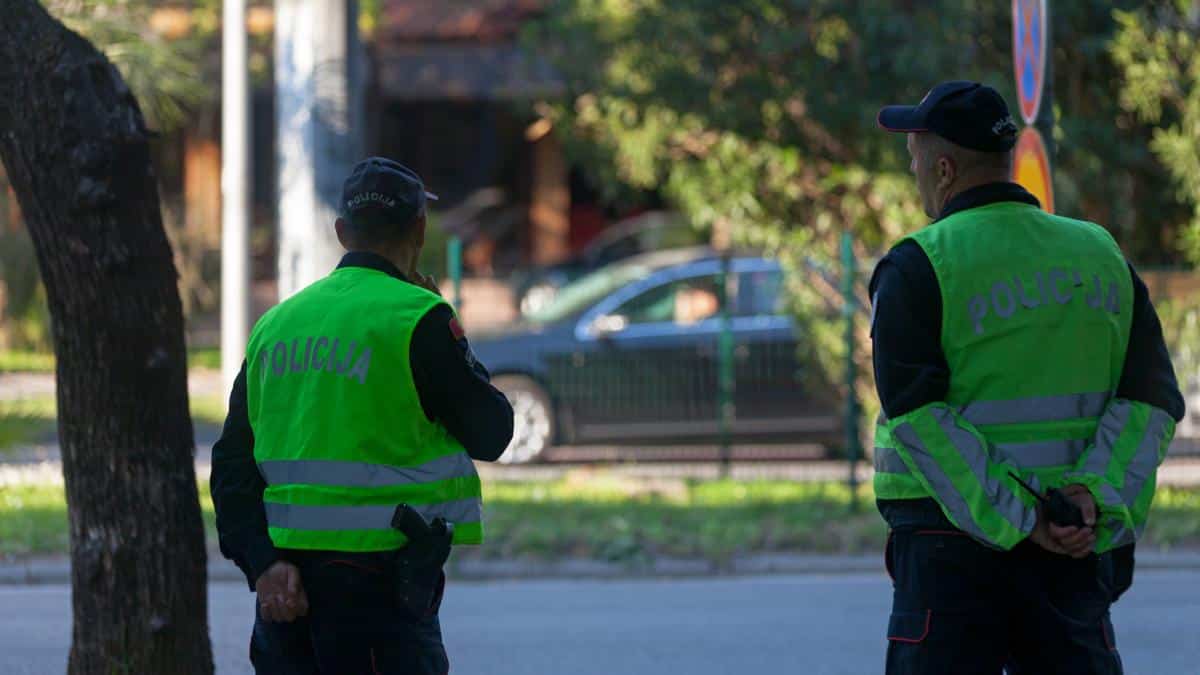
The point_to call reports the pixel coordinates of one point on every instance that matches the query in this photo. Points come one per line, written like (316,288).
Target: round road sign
(1031,167)
(1029,54)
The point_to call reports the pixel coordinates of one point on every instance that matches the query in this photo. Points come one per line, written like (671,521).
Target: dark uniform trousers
(960,608)
(355,625)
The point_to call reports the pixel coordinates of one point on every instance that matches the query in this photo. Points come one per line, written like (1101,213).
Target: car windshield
(587,290)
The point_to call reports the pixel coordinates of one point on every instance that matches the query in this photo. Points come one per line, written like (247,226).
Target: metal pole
(848,307)
(725,376)
(235,191)
(1045,120)
(454,269)
(320,130)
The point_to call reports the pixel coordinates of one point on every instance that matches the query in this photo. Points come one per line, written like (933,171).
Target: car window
(683,302)
(760,293)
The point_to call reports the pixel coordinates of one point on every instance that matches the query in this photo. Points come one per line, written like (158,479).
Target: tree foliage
(166,75)
(759,116)
(763,112)
(1158,51)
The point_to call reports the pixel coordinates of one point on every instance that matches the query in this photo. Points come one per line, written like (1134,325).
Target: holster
(419,581)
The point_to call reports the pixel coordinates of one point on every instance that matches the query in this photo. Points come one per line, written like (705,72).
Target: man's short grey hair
(372,233)
(967,159)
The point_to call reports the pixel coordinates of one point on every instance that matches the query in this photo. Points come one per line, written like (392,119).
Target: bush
(1181,328)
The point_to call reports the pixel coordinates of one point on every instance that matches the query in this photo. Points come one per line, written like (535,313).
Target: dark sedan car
(628,354)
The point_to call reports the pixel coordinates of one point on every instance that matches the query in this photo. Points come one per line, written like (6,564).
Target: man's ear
(947,171)
(419,226)
(342,228)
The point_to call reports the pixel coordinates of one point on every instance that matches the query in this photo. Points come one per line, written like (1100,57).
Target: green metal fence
(727,386)
(732,376)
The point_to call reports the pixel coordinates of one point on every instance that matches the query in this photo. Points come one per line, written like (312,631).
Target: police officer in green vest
(1009,345)
(358,394)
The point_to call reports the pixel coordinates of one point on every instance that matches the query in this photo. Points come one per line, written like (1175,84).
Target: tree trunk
(76,148)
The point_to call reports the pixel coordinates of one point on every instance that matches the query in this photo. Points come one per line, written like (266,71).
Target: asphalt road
(818,625)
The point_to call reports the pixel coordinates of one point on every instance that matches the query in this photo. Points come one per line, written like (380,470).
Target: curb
(44,571)
(485,570)
(58,570)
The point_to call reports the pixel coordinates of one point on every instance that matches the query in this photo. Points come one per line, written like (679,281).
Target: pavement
(15,386)
(57,569)
(820,624)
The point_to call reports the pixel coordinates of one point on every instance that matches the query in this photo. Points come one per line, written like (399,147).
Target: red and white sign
(1029,55)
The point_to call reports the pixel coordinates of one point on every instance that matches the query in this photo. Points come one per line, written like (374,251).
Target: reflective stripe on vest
(336,518)
(1026,455)
(1036,409)
(887,460)
(1033,455)
(363,474)
(339,518)
(1145,460)
(1008,505)
(1039,455)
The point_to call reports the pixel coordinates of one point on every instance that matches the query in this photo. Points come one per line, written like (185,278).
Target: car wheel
(533,419)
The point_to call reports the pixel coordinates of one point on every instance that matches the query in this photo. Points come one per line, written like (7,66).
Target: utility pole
(319,93)
(235,191)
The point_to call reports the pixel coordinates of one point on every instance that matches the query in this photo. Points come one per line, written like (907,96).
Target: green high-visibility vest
(339,433)
(1036,315)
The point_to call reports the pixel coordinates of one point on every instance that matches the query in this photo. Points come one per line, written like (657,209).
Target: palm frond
(166,76)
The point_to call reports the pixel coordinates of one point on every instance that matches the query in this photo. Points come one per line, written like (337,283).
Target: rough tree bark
(76,148)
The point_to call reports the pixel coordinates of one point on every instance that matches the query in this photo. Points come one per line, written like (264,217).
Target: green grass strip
(603,517)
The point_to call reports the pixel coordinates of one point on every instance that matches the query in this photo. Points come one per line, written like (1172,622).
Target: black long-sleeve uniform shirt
(454,390)
(906,326)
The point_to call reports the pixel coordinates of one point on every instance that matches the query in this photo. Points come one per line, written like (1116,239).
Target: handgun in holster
(419,580)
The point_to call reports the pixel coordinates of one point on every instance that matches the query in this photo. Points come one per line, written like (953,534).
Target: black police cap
(383,193)
(969,114)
